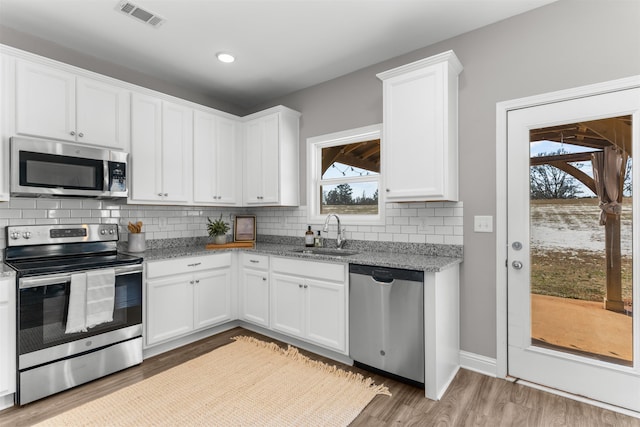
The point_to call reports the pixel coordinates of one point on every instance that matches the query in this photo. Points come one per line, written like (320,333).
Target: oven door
(43,303)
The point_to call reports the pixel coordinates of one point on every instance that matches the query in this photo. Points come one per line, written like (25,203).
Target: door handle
(517,265)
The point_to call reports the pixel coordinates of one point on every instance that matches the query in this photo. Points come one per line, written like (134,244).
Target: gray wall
(11,37)
(565,44)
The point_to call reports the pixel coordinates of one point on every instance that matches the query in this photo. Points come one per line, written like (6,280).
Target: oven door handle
(52,279)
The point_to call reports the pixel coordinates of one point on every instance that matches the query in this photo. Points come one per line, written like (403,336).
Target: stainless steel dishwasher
(386,320)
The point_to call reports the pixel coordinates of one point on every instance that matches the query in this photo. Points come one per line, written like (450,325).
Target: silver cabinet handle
(255,261)
(194,264)
(517,265)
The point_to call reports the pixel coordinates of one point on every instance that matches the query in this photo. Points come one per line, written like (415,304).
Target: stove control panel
(25,235)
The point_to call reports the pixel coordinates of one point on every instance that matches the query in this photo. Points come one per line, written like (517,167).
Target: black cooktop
(37,266)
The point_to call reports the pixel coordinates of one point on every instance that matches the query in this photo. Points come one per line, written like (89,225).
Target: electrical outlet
(483,224)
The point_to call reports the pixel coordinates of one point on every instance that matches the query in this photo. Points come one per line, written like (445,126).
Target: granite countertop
(6,271)
(408,261)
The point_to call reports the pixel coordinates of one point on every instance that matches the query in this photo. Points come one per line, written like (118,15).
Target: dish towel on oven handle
(76,312)
(101,289)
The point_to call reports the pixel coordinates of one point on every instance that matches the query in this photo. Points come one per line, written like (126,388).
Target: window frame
(314,179)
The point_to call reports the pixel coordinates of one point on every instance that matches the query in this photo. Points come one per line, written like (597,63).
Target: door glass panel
(581,239)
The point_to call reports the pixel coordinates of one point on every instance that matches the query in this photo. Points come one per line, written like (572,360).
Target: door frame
(502,110)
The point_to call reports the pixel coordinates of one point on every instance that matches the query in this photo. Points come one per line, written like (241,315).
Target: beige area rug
(246,383)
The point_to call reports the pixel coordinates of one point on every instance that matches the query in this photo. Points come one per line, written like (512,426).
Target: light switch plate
(483,224)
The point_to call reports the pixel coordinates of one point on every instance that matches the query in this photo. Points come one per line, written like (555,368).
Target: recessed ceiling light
(225,57)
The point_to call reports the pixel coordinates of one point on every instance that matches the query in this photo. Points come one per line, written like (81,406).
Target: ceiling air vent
(141,14)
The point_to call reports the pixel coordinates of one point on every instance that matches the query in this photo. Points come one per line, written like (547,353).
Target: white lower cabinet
(254,289)
(308,301)
(186,294)
(7,336)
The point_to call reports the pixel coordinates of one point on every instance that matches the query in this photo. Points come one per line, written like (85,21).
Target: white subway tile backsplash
(432,222)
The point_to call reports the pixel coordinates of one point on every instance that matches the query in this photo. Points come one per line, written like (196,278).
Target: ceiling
(280,46)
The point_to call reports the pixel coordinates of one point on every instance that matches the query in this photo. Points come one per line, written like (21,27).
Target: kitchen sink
(325,251)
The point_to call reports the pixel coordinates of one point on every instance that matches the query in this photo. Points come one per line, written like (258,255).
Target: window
(344,176)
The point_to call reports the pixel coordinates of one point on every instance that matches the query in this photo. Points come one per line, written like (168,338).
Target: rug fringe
(293,353)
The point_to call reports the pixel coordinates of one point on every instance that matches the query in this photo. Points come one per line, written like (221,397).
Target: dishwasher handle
(382,276)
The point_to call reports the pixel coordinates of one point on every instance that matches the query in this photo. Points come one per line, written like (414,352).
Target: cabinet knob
(264,279)
(72,133)
(300,286)
(198,281)
(191,281)
(165,194)
(306,286)
(160,194)
(387,190)
(81,134)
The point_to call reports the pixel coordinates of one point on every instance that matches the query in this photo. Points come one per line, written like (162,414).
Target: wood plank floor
(472,399)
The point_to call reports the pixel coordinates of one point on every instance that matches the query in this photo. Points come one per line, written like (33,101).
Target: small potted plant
(218,229)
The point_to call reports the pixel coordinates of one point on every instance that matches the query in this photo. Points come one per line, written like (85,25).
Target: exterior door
(572,282)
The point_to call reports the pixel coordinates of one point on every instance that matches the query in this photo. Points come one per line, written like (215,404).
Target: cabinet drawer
(187,265)
(255,261)
(313,269)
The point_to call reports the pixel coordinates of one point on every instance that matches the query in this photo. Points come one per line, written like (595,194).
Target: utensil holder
(137,242)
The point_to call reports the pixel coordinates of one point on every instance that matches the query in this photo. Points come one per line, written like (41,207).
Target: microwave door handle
(105,183)
(32,282)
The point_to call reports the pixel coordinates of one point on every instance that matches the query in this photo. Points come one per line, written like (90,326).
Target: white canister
(137,242)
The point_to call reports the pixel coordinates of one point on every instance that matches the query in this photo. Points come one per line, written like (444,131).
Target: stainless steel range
(79,306)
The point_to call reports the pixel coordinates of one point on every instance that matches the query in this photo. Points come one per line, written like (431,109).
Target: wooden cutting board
(231,245)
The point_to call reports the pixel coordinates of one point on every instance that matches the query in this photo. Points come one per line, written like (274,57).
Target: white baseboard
(478,363)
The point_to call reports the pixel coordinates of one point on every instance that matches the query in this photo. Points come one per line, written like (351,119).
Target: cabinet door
(7,109)
(146,152)
(177,148)
(7,336)
(103,114)
(413,149)
(169,308)
(204,158)
(212,302)
(253,162)
(271,159)
(215,160)
(254,294)
(226,162)
(45,102)
(325,314)
(287,304)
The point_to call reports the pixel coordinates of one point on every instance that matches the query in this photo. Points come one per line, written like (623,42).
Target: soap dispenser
(308,238)
(317,242)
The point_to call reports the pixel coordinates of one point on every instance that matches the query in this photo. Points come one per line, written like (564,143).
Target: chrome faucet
(340,240)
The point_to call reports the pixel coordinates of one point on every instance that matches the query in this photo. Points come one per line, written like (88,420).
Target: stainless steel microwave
(45,168)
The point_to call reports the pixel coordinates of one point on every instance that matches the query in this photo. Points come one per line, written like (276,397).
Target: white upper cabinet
(420,143)
(271,175)
(53,103)
(161,148)
(217,166)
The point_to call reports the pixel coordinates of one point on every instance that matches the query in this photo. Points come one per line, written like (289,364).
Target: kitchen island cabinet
(161,151)
(185,295)
(271,140)
(420,115)
(54,103)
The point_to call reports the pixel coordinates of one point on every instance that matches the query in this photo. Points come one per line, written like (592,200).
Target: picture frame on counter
(244,229)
